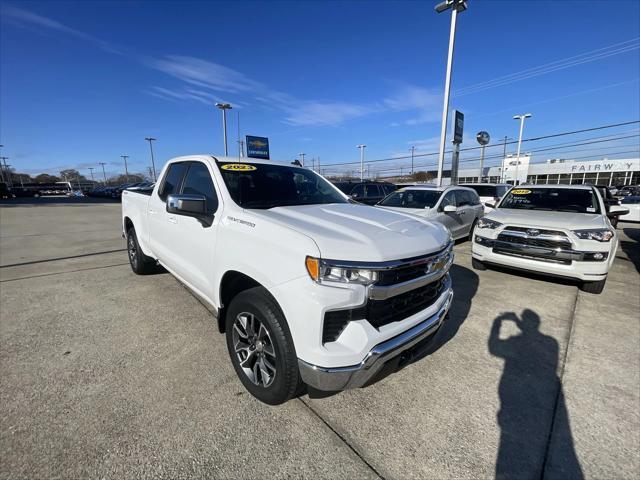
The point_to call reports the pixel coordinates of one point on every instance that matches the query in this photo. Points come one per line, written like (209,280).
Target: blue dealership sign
(258,147)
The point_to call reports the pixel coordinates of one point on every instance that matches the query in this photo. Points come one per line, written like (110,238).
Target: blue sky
(85,82)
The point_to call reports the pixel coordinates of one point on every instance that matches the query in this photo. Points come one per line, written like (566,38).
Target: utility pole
(361,147)
(1,168)
(455,6)
(103,172)
(126,168)
(521,118)
(504,156)
(153,163)
(7,171)
(224,107)
(302,158)
(413,149)
(91,170)
(241,148)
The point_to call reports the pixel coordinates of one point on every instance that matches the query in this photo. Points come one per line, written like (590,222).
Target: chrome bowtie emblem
(533,232)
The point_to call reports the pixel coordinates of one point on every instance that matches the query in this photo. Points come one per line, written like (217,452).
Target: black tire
(276,379)
(593,287)
(477,264)
(140,263)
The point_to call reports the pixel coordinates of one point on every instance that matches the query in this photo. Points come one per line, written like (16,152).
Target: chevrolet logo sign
(533,232)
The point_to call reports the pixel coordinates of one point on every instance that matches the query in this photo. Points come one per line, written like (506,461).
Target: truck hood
(421,212)
(542,218)
(347,231)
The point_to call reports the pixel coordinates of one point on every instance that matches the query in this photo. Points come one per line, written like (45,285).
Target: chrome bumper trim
(355,376)
(561,254)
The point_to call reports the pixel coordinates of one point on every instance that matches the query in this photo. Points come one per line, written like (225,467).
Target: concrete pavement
(107,374)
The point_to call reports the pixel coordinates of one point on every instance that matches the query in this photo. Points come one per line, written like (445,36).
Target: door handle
(151,212)
(172,219)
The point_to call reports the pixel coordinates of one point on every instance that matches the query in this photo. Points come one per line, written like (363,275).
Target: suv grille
(534,242)
(542,231)
(382,312)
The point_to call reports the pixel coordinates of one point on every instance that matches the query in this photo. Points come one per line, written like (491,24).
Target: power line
(403,157)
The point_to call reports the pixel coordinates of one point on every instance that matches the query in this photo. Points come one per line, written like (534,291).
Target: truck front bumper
(394,350)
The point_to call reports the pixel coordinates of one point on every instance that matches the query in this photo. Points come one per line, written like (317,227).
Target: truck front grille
(382,312)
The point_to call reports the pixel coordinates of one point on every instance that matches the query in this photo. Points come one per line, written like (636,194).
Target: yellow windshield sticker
(238,167)
(521,191)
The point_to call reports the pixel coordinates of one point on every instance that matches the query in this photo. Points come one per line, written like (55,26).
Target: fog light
(598,256)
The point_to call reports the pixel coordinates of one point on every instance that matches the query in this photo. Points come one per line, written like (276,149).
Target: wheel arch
(232,283)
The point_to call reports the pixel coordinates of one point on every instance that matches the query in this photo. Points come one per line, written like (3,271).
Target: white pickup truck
(561,230)
(309,287)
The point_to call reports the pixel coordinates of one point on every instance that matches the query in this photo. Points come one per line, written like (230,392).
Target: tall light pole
(504,156)
(126,168)
(302,158)
(1,168)
(91,170)
(361,147)
(102,164)
(521,118)
(413,149)
(455,6)
(153,163)
(224,107)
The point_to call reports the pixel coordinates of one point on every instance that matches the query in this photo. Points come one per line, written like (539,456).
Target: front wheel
(477,264)
(593,287)
(261,347)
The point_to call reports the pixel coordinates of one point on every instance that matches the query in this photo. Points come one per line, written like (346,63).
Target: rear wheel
(261,347)
(477,264)
(593,287)
(473,227)
(140,263)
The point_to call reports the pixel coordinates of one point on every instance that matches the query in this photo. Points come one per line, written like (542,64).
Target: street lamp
(103,172)
(361,147)
(126,168)
(521,118)
(153,163)
(224,107)
(455,6)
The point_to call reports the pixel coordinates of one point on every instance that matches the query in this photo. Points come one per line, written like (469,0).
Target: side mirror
(450,209)
(190,206)
(489,204)
(617,210)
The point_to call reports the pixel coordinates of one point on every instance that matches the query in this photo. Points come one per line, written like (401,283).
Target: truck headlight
(323,271)
(488,223)
(599,234)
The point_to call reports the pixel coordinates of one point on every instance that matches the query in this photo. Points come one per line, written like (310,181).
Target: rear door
(373,194)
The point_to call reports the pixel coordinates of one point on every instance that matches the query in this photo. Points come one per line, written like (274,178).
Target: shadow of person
(532,412)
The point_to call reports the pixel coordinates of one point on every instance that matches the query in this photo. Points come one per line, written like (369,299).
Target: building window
(565,179)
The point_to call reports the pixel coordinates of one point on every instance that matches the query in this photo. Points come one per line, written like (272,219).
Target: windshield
(552,199)
(412,199)
(260,185)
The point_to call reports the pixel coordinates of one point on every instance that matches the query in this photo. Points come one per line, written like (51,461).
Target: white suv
(558,230)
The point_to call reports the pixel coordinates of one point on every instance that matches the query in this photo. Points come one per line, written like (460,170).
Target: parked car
(308,287)
(609,200)
(628,190)
(489,192)
(5,191)
(368,193)
(632,203)
(560,230)
(458,208)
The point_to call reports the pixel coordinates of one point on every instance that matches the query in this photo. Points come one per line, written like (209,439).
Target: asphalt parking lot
(106,374)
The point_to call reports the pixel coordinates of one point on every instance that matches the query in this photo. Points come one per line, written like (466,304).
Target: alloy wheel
(254,349)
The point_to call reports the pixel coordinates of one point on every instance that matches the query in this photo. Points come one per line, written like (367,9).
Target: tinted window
(553,199)
(198,182)
(358,191)
(172,179)
(344,187)
(389,189)
(630,200)
(412,199)
(484,190)
(501,190)
(373,191)
(262,185)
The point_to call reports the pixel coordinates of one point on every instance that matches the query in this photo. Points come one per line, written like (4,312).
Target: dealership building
(558,171)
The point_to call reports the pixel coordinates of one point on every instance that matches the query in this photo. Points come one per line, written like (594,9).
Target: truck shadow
(535,433)
(465,284)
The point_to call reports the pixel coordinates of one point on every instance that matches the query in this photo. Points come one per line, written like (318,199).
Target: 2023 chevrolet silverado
(308,287)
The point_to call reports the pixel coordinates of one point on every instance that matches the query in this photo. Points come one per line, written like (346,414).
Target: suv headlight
(323,271)
(487,223)
(599,234)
